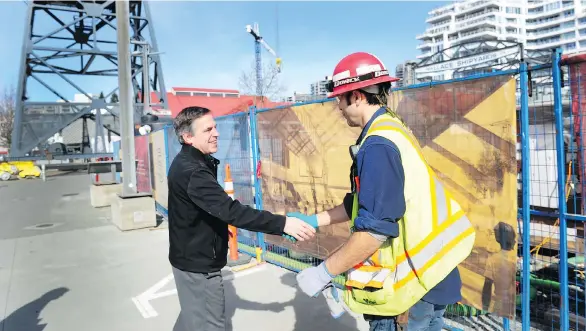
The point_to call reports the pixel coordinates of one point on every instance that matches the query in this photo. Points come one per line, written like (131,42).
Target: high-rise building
(301,97)
(405,72)
(537,24)
(319,88)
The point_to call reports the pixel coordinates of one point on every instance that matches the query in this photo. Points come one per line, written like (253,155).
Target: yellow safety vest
(434,236)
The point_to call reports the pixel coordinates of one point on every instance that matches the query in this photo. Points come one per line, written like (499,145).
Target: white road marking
(142,301)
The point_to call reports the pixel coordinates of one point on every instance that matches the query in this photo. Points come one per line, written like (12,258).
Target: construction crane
(258,41)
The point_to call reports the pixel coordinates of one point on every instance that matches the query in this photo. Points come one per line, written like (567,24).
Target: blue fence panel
(550,268)
(173,145)
(234,150)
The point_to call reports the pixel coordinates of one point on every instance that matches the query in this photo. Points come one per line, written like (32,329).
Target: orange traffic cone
(233,241)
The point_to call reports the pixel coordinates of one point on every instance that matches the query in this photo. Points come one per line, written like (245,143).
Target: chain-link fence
(495,141)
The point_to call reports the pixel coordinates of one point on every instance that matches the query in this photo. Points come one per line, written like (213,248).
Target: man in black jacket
(199,214)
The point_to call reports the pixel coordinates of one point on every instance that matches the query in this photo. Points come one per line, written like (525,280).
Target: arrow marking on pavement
(142,301)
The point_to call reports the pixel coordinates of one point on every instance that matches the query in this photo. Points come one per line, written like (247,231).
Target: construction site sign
(468,61)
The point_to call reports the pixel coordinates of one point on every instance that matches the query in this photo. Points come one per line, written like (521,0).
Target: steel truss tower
(69,48)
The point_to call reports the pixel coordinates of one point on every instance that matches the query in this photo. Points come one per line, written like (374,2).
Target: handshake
(313,280)
(300,227)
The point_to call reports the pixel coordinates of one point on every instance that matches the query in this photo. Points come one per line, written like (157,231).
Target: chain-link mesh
(467,134)
(471,135)
(234,150)
(305,164)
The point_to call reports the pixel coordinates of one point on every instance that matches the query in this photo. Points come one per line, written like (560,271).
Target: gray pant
(201,297)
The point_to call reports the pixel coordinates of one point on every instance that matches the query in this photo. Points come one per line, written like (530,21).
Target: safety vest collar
(368,125)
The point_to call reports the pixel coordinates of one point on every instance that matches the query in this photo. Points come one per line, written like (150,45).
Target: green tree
(114,98)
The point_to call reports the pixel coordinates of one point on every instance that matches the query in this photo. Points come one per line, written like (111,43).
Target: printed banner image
(159,167)
(467,131)
(143,170)
(305,168)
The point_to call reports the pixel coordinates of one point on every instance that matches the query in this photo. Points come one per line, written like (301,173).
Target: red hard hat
(356,71)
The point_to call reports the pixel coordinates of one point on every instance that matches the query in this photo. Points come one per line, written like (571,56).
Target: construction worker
(408,233)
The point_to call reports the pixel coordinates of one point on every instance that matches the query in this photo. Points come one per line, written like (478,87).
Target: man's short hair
(505,235)
(183,120)
(375,99)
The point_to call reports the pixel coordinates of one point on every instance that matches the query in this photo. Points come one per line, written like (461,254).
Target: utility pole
(126,105)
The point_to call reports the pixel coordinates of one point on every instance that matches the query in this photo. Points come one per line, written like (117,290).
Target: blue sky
(206,44)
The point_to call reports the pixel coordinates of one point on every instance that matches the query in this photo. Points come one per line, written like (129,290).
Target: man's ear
(358,96)
(185,137)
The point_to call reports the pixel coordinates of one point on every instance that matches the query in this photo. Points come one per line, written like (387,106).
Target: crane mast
(258,41)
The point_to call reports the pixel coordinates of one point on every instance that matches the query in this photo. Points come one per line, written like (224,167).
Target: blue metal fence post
(261,249)
(525,163)
(561,162)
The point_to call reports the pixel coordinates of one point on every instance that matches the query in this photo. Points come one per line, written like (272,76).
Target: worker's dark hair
(505,235)
(183,120)
(380,98)
(374,99)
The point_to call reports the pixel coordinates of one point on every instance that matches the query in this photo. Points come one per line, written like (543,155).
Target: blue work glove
(337,306)
(313,280)
(309,219)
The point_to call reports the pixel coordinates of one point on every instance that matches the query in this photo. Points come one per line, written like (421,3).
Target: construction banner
(468,134)
(467,131)
(577,70)
(157,150)
(305,164)
(143,166)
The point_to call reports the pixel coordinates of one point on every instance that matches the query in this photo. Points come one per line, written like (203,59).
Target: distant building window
(231,95)
(183,93)
(552,6)
(513,10)
(216,95)
(200,94)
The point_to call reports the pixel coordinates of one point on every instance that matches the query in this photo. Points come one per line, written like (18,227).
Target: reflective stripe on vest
(406,261)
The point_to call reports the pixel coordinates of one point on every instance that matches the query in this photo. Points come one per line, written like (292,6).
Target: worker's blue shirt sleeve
(381,198)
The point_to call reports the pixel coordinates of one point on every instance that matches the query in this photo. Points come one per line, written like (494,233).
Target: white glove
(337,306)
(313,280)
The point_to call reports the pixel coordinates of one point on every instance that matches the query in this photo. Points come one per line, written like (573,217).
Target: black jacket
(200,211)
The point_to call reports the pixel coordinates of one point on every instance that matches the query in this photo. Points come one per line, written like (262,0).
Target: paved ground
(82,273)
(64,267)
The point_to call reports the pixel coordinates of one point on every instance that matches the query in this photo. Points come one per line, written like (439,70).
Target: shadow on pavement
(26,318)
(310,313)
(234,302)
(313,313)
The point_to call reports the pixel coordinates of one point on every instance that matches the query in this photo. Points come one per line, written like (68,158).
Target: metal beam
(70,49)
(126,106)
